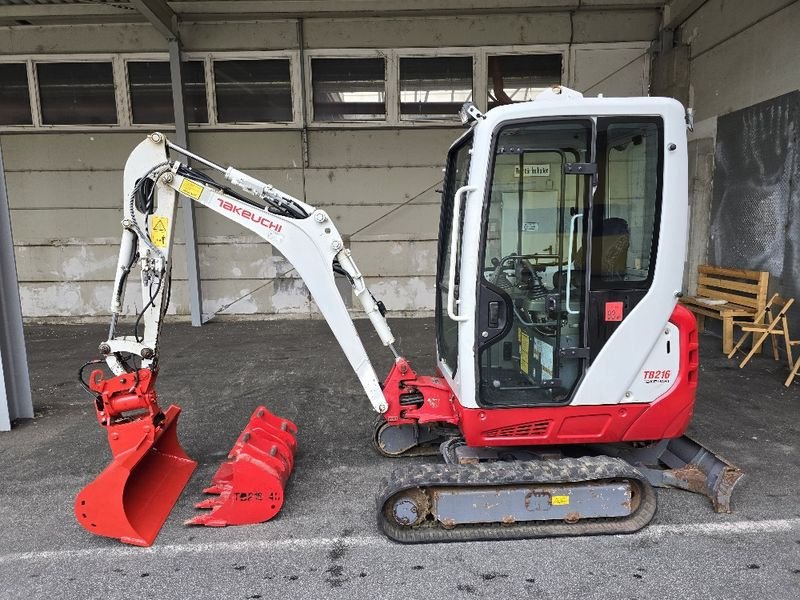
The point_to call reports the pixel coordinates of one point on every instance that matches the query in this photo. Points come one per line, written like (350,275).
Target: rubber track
(566,470)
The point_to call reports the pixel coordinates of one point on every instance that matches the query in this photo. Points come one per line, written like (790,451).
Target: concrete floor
(325,544)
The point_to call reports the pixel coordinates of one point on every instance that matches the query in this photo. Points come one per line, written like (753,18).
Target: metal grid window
(349,89)
(15,100)
(253,91)
(77,93)
(434,87)
(150,89)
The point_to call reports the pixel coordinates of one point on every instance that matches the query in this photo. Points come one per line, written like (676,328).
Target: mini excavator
(567,369)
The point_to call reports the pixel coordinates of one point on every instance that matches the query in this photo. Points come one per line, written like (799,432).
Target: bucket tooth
(210,502)
(249,485)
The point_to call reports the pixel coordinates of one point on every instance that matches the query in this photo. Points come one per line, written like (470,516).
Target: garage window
(15,101)
(77,93)
(349,89)
(150,88)
(253,91)
(434,88)
(521,77)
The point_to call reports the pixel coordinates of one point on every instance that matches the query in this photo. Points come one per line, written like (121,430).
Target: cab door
(532,290)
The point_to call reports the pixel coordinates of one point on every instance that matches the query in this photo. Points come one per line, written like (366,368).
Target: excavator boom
(149,468)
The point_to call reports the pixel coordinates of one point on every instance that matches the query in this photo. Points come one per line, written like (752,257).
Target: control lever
(551,306)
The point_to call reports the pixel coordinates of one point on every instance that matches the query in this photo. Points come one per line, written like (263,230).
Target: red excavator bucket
(248,487)
(132,497)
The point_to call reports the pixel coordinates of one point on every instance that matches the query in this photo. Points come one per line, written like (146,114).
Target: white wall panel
(65,186)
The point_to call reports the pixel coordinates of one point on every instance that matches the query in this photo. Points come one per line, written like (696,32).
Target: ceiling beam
(160,16)
(677,12)
(161,13)
(192,9)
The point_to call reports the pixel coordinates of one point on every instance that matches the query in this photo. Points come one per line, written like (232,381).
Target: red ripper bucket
(248,487)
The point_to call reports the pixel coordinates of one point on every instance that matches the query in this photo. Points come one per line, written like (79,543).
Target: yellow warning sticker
(191,189)
(559,500)
(524,342)
(159,227)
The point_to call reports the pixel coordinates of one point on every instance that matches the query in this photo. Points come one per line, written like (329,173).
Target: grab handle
(569,263)
(454,231)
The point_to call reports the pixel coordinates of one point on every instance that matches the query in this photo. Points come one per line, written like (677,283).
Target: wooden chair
(795,368)
(775,325)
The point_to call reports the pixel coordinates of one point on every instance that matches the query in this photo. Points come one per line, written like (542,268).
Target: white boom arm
(308,239)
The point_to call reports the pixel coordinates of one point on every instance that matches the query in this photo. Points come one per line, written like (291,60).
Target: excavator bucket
(132,497)
(248,487)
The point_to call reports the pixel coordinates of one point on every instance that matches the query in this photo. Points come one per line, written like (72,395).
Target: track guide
(417,483)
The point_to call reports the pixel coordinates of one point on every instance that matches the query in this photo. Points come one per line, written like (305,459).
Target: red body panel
(669,416)
(665,417)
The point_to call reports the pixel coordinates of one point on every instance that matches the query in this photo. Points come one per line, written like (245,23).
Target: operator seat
(610,243)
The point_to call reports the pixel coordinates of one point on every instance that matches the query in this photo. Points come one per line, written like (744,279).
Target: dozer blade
(697,469)
(132,497)
(249,487)
(685,464)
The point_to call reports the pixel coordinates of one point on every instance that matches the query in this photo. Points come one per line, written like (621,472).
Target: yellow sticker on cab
(559,500)
(191,189)
(159,229)
(524,342)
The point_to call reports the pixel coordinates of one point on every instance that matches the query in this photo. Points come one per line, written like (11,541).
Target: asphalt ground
(324,544)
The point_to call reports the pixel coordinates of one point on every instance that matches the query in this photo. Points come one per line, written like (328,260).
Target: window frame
(390,73)
(116,73)
(33,91)
(428,53)
(29,73)
(208,58)
(300,83)
(562,49)
(479,55)
(211,87)
(603,162)
(156,57)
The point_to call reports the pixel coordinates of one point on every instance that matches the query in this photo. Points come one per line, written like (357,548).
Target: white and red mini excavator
(567,370)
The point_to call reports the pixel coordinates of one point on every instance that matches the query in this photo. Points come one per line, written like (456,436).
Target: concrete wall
(64,186)
(740,53)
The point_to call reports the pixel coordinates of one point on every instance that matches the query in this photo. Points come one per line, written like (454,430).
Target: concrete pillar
(15,387)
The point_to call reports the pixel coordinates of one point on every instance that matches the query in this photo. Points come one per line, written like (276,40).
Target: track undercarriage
(531,492)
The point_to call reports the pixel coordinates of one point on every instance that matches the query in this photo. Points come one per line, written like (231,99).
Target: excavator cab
(555,246)
(570,364)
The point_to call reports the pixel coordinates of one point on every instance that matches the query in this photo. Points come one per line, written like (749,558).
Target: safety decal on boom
(158,231)
(191,189)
